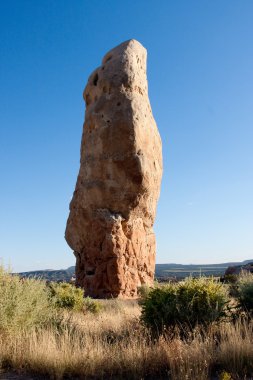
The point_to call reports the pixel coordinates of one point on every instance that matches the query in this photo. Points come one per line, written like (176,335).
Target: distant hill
(50,274)
(180,271)
(162,271)
(236,269)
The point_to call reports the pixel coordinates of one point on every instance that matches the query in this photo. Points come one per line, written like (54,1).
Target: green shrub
(245,290)
(192,302)
(230,278)
(67,296)
(143,291)
(91,306)
(24,303)
(225,376)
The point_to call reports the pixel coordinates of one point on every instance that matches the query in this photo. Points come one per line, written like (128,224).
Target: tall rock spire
(110,225)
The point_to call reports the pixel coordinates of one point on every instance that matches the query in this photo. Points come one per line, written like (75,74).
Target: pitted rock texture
(110,225)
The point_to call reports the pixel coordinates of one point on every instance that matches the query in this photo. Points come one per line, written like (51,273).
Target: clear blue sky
(200,71)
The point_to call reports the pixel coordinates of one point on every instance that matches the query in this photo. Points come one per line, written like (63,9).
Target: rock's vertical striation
(110,225)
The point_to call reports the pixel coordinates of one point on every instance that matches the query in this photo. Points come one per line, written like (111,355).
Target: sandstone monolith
(110,225)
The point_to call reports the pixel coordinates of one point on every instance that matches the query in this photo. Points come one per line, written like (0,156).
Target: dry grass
(113,344)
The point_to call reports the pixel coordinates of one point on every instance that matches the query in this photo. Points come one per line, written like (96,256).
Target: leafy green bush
(24,303)
(245,290)
(192,302)
(67,296)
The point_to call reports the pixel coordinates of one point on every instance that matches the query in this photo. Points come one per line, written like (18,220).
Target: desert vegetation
(197,329)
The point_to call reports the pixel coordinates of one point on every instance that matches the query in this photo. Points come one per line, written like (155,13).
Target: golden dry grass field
(42,337)
(113,344)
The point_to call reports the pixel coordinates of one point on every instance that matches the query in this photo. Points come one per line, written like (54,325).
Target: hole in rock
(88,99)
(90,272)
(118,104)
(95,79)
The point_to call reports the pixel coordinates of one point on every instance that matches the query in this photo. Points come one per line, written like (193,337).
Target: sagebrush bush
(231,278)
(192,302)
(91,306)
(24,303)
(143,291)
(245,290)
(67,296)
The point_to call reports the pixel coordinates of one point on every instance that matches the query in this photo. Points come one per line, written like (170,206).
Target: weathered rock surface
(110,225)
